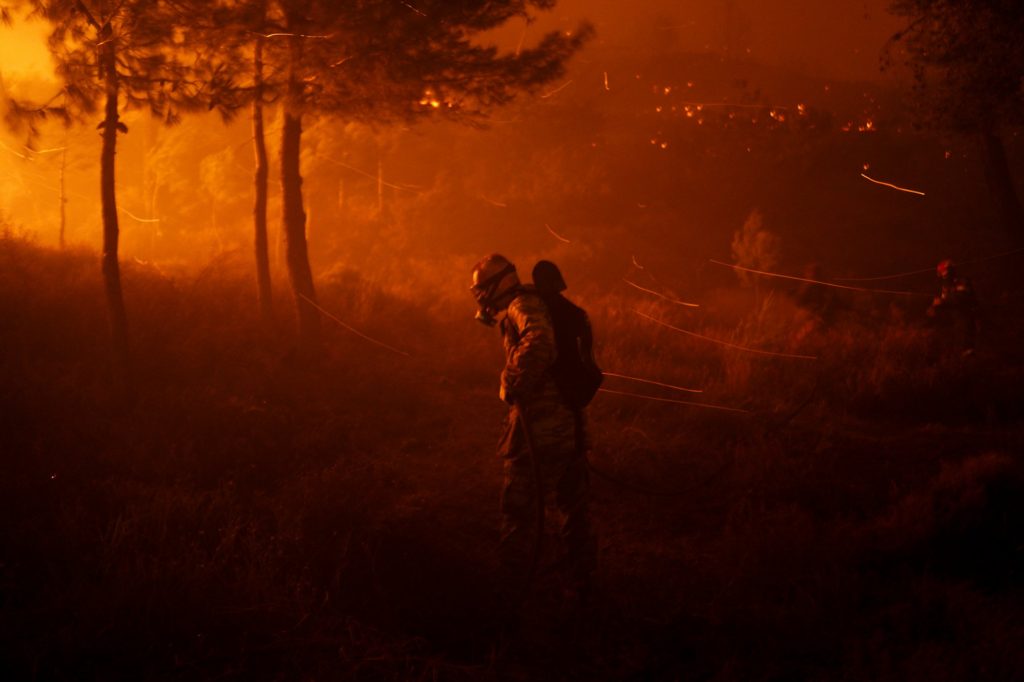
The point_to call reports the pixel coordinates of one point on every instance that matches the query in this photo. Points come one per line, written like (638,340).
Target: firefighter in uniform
(551,444)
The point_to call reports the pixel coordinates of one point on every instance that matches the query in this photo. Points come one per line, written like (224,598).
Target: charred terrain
(250,511)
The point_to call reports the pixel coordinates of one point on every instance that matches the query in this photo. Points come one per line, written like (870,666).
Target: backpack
(575,372)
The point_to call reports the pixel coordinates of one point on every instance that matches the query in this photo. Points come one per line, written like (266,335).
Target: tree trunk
(1000,181)
(63,194)
(294,215)
(260,205)
(111,231)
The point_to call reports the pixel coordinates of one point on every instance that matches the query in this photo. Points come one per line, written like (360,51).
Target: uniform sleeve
(530,358)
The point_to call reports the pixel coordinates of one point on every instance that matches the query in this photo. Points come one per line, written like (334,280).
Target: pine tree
(238,76)
(117,55)
(384,61)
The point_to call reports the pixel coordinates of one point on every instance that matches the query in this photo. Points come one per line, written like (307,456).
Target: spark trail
(817,281)
(660,295)
(706,406)
(727,344)
(892,186)
(653,383)
(557,90)
(353,329)
(556,235)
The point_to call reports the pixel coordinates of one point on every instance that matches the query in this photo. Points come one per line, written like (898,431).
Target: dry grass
(253,517)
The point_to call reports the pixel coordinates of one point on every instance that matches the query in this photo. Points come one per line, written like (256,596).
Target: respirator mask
(485,293)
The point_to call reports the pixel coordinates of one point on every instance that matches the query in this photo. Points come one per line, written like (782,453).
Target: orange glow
(27,65)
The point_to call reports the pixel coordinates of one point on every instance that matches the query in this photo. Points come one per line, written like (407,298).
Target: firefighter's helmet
(494,279)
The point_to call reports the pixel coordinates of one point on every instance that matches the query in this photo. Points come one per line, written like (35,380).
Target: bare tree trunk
(294,215)
(1000,181)
(63,193)
(111,231)
(260,205)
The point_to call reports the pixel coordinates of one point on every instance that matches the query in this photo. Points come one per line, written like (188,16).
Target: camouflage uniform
(558,436)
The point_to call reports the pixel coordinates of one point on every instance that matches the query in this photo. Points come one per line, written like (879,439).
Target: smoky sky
(833,38)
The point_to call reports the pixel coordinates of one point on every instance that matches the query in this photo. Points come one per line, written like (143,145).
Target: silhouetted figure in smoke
(956,308)
(543,433)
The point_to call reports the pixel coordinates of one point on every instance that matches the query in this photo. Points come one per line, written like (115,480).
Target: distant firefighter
(542,443)
(956,308)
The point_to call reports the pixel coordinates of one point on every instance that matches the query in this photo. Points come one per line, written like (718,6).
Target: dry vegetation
(250,516)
